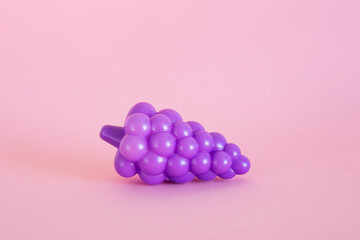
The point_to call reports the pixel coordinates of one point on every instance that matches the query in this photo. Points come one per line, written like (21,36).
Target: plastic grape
(201,163)
(138,124)
(177,166)
(221,162)
(160,145)
(163,143)
(182,129)
(187,147)
(205,140)
(160,123)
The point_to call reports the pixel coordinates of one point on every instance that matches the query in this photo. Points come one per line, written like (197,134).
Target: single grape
(172,114)
(233,150)
(241,165)
(205,140)
(189,176)
(228,175)
(177,166)
(142,107)
(152,179)
(219,141)
(152,163)
(138,124)
(221,162)
(163,143)
(133,148)
(187,147)
(160,123)
(209,175)
(182,129)
(201,163)
(195,126)
(124,167)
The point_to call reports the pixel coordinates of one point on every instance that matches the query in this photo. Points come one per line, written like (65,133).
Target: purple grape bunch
(160,145)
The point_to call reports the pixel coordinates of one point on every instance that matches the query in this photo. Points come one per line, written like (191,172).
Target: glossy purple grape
(195,126)
(189,176)
(124,167)
(221,162)
(228,175)
(172,114)
(152,179)
(241,165)
(163,143)
(161,146)
(177,166)
(205,140)
(152,163)
(201,163)
(219,141)
(160,123)
(133,148)
(182,129)
(209,175)
(138,124)
(187,147)
(233,150)
(142,107)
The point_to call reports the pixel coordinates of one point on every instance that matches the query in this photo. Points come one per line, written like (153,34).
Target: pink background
(279,78)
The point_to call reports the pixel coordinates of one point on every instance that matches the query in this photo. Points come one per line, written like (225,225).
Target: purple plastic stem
(112,134)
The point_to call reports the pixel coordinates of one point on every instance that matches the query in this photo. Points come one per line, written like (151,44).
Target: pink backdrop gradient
(279,78)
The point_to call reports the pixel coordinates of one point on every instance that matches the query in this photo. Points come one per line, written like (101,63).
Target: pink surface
(279,78)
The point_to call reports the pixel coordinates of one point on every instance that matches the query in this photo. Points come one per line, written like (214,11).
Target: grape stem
(112,134)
